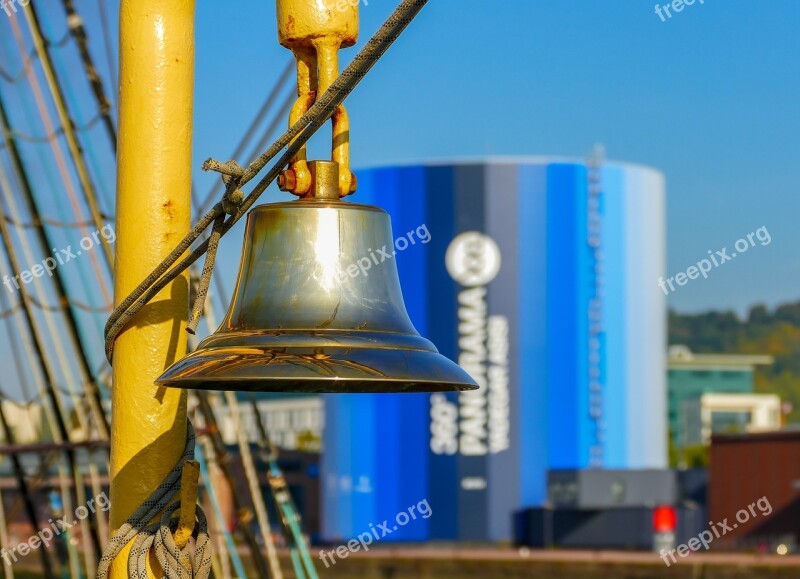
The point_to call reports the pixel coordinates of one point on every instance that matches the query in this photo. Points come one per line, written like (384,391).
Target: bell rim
(317,370)
(279,385)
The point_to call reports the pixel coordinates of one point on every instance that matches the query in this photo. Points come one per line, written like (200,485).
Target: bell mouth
(317,362)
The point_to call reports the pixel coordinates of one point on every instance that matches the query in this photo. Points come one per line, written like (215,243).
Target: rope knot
(233,198)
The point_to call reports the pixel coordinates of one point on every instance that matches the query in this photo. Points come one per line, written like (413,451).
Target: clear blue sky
(711,97)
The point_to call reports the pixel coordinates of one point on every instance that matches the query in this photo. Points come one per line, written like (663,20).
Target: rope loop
(233,197)
(177,563)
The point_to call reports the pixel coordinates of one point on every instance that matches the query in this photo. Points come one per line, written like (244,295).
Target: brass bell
(306,318)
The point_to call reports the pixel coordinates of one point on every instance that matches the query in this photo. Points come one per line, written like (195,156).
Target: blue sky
(710,97)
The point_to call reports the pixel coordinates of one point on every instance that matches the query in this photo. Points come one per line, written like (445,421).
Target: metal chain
(293,140)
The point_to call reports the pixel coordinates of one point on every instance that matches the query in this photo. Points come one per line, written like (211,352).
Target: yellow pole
(153,211)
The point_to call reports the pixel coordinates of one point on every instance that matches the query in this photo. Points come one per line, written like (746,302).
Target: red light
(665,519)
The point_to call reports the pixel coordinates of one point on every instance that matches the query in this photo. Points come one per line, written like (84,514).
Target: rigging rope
(79,127)
(84,420)
(66,179)
(262,515)
(29,59)
(78,31)
(15,349)
(10,312)
(38,292)
(109,49)
(215,505)
(52,184)
(69,302)
(53,412)
(51,222)
(57,93)
(282,83)
(63,82)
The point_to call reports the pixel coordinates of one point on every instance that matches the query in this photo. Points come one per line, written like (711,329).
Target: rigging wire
(10,312)
(205,447)
(69,302)
(279,86)
(29,59)
(248,464)
(56,276)
(59,201)
(60,158)
(78,31)
(52,410)
(109,49)
(14,339)
(4,538)
(38,288)
(90,540)
(56,93)
(63,83)
(48,220)
(268,134)
(24,489)
(15,353)
(79,128)
(278,118)
(52,183)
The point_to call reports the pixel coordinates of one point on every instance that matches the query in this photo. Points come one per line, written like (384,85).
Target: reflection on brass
(314,312)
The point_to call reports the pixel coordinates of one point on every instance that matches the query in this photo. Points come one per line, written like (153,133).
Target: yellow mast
(153,212)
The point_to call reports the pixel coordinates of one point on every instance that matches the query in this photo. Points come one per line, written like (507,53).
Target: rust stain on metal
(168,209)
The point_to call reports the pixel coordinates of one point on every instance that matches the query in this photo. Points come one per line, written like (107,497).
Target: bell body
(317,308)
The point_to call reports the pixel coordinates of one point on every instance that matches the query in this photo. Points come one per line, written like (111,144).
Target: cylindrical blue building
(539,277)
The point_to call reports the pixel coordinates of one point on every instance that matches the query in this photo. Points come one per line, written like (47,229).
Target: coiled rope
(176,562)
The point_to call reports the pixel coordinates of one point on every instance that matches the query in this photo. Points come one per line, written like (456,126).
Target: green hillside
(776,333)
